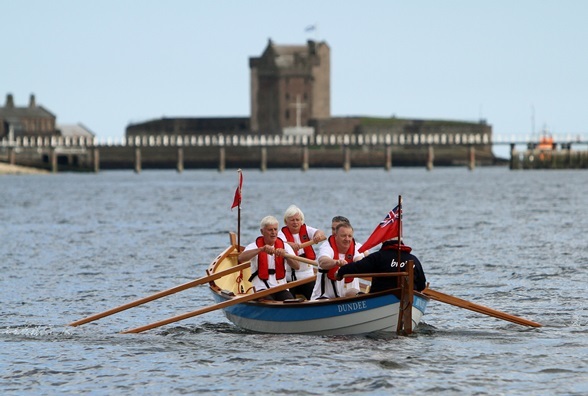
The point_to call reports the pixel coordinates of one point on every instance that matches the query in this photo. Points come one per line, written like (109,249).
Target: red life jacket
(308,251)
(263,270)
(348,257)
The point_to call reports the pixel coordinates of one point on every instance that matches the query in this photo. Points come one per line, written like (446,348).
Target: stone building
(31,120)
(182,126)
(34,121)
(397,126)
(291,94)
(290,85)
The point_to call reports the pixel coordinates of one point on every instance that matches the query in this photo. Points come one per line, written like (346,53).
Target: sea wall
(301,157)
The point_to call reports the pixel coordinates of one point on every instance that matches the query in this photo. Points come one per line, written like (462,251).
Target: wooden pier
(262,152)
(556,158)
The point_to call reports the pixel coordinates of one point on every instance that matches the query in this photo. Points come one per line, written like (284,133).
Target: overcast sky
(521,65)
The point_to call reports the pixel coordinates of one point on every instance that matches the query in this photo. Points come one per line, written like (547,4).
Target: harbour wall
(267,157)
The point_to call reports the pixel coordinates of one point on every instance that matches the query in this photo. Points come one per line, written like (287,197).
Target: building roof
(9,110)
(20,112)
(286,56)
(74,130)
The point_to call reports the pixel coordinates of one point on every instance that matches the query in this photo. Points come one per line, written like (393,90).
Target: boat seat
(294,300)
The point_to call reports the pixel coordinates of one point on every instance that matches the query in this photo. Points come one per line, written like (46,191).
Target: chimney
(32,102)
(9,101)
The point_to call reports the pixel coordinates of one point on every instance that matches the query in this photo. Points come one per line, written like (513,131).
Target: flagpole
(399,228)
(239,212)
(400,324)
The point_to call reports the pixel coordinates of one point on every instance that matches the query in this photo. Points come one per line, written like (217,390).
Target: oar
(376,274)
(160,294)
(301,259)
(228,303)
(311,262)
(458,302)
(309,243)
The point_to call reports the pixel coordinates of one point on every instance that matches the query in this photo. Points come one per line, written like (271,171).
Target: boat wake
(207,327)
(36,331)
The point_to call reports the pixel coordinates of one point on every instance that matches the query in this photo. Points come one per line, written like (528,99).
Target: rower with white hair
(268,262)
(300,237)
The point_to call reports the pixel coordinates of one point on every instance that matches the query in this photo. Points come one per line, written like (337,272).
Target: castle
(290,95)
(290,100)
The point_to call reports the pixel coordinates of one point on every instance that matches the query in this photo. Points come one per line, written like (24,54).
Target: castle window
(287,114)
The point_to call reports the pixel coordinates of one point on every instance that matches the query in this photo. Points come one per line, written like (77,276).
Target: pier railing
(281,140)
(54,146)
(249,140)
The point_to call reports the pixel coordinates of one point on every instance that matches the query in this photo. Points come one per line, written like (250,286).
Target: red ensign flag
(237,199)
(387,229)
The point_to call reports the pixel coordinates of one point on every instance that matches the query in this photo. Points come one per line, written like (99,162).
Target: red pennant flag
(387,229)
(237,199)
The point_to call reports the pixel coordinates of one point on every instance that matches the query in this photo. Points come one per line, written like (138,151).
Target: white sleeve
(251,246)
(311,231)
(356,254)
(325,250)
(288,249)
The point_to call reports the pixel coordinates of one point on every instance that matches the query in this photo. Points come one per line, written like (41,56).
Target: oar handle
(309,243)
(301,259)
(376,274)
(362,276)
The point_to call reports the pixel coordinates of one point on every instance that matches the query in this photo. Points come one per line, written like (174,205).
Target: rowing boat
(397,310)
(361,314)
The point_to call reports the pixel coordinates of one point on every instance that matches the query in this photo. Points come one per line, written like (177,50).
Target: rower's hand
(319,236)
(280,252)
(268,249)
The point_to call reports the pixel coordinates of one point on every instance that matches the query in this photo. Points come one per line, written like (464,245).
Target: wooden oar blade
(160,294)
(458,302)
(224,304)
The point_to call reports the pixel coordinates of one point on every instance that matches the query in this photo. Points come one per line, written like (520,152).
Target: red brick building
(31,120)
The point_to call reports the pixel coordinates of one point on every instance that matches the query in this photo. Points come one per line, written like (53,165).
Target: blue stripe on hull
(314,310)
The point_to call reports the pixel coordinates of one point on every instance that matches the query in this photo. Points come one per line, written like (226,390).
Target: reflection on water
(73,245)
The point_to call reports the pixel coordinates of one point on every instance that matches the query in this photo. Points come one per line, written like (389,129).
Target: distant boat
(545,143)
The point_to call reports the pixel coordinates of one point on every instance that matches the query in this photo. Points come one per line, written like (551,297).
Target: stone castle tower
(290,85)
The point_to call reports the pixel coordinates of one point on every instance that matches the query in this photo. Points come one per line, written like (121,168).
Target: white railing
(289,140)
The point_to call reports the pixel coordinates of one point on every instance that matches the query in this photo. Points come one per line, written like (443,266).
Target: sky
(520,65)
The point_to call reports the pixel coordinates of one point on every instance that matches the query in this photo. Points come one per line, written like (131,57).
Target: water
(73,245)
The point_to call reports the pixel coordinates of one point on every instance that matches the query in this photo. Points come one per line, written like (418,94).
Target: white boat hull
(358,315)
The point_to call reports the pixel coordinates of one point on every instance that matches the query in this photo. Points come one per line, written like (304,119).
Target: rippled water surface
(75,244)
